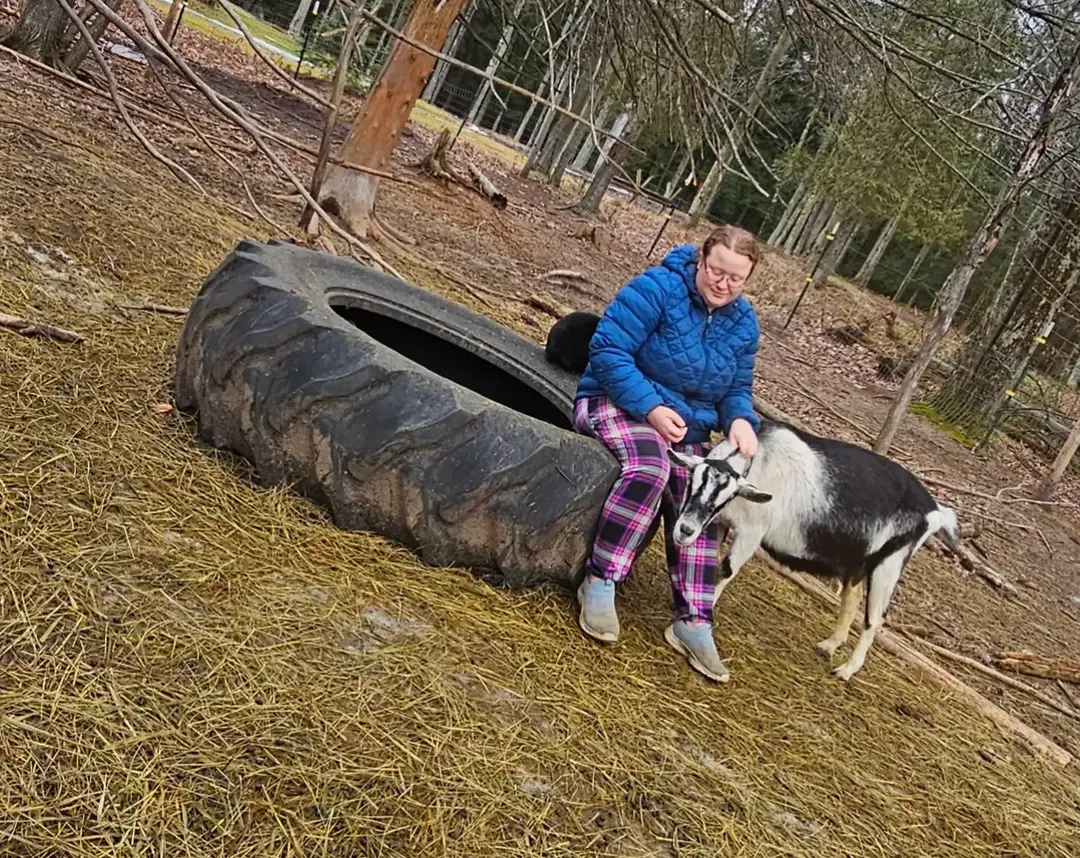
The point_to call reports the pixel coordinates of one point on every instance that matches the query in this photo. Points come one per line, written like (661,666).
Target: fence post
(830,236)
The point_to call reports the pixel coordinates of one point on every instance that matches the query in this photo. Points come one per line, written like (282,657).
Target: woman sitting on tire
(672,359)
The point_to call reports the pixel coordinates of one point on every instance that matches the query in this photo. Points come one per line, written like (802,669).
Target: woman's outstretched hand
(668,423)
(742,435)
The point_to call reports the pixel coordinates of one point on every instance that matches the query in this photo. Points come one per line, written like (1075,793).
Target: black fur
(568,341)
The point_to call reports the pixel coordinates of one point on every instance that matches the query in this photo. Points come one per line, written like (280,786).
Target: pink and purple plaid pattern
(650,484)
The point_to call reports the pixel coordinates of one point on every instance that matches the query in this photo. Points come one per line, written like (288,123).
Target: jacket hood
(682,261)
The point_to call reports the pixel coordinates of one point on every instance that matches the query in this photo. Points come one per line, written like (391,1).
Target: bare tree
(378,124)
(706,194)
(1037,149)
(1050,481)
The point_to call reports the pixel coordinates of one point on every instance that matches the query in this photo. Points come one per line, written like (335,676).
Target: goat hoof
(825,649)
(843,673)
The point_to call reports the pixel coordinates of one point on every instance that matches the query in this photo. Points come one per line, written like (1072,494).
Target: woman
(672,360)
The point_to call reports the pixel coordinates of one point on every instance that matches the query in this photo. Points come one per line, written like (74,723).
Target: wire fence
(1022,381)
(1017,376)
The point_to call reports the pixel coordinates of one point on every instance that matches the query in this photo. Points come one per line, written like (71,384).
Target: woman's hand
(742,436)
(668,423)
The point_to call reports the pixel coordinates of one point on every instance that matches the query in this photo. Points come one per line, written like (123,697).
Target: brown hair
(734,238)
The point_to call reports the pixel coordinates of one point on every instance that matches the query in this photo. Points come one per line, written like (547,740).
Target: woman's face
(721,276)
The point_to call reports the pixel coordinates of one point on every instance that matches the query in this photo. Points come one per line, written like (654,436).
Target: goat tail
(943,520)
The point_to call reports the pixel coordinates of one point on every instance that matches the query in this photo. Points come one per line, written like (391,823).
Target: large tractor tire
(404,414)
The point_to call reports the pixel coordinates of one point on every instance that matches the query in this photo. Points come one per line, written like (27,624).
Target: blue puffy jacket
(658,344)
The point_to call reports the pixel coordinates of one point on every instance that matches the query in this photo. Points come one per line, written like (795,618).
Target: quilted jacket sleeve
(626,324)
(739,400)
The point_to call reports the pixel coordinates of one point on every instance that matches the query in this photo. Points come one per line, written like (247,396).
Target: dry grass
(194,665)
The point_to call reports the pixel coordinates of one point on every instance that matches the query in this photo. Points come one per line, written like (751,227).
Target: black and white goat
(817,505)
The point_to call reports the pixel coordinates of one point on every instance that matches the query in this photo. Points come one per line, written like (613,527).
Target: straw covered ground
(193,665)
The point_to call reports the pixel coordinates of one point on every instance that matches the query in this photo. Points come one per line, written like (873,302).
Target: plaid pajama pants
(650,484)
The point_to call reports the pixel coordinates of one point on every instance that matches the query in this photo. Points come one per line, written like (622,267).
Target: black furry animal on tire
(568,341)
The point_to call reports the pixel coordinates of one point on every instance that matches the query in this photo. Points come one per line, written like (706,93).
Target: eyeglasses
(719,275)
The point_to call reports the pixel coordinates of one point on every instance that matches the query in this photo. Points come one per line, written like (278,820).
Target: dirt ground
(198,666)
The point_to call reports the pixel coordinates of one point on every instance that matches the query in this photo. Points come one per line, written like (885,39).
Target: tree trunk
(376,66)
(799,224)
(529,112)
(438,76)
(172,19)
(1000,398)
(40,32)
(706,194)
(622,122)
(308,219)
(813,236)
(677,178)
(982,245)
(783,226)
(476,111)
(995,356)
(296,25)
(914,267)
(1049,483)
(850,240)
(378,124)
(539,138)
(590,203)
(1074,374)
(562,132)
(835,250)
(504,104)
(885,237)
(577,137)
(587,145)
(80,49)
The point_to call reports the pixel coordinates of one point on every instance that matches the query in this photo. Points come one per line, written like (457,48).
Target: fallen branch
(980,567)
(232,111)
(1042,666)
(435,164)
(149,50)
(487,187)
(798,388)
(1068,694)
(978,666)
(175,168)
(274,67)
(33,129)
(134,108)
(28,328)
(565,274)
(932,671)
(393,231)
(147,307)
(931,481)
(555,310)
(1017,524)
(221,156)
(475,291)
(771,412)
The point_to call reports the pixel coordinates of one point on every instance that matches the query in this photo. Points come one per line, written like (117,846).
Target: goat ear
(752,494)
(686,460)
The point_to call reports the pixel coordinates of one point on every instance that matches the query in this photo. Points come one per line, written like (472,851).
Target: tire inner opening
(456,364)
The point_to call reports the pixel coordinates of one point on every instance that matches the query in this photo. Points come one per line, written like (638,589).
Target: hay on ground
(192,665)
